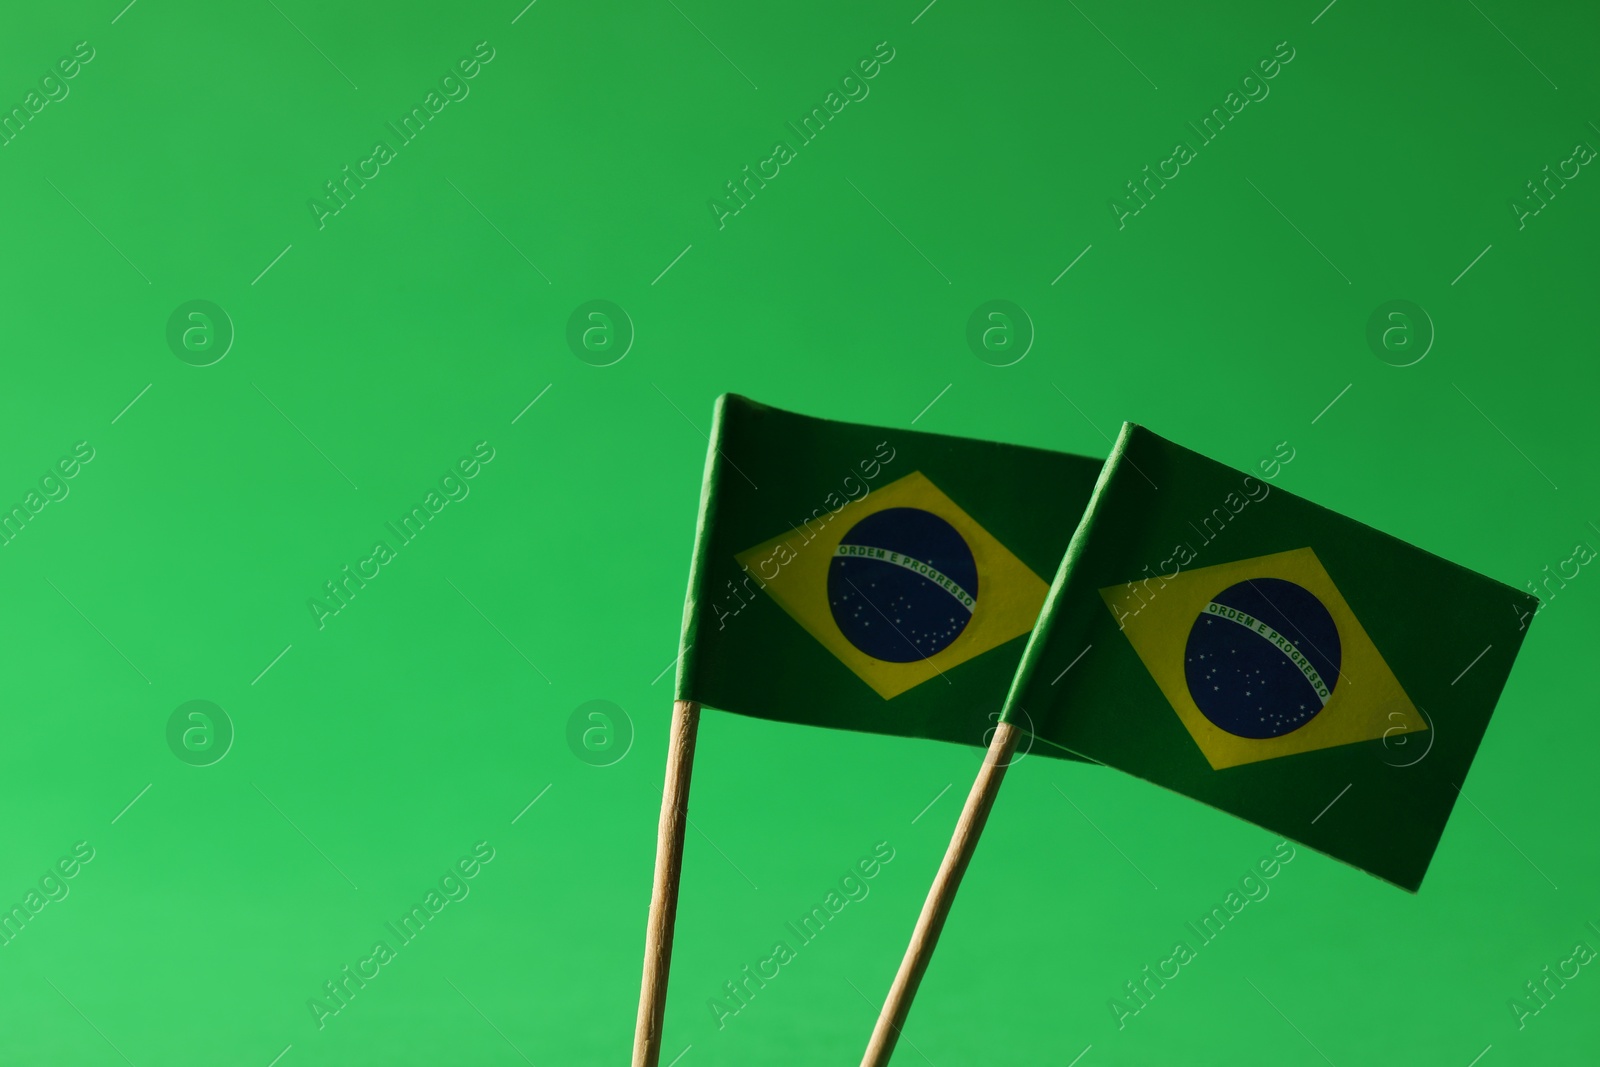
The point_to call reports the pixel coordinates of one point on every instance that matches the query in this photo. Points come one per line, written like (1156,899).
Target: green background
(375,352)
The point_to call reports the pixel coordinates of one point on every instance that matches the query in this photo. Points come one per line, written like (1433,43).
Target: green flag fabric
(1216,635)
(869,578)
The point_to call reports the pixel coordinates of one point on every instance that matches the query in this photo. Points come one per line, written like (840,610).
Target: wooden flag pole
(940,896)
(664,895)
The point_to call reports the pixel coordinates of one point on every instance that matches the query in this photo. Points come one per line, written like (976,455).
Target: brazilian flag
(869,578)
(1213,634)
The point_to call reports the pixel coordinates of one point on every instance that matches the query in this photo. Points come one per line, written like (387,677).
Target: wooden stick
(664,895)
(940,896)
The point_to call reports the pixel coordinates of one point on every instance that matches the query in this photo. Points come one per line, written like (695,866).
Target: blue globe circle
(902,585)
(1262,658)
